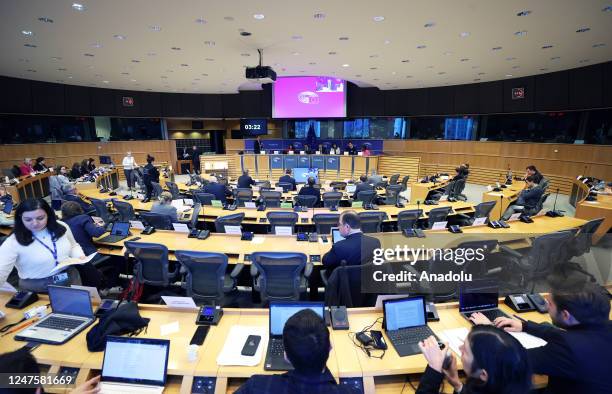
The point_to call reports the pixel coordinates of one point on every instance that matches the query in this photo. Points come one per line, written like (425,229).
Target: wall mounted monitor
(253,127)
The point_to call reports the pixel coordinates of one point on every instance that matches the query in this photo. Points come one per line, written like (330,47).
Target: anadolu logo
(308,98)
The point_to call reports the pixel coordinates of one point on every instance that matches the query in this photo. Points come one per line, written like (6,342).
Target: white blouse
(34,261)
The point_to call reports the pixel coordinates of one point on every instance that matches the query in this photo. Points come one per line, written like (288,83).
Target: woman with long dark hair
(150,174)
(493,360)
(39,242)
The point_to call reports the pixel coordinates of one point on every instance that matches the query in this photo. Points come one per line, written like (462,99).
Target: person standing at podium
(257,145)
(195,159)
(129,164)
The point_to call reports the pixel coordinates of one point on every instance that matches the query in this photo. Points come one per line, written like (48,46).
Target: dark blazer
(150,174)
(294,383)
(362,187)
(195,158)
(256,147)
(86,207)
(84,229)
(311,191)
(530,197)
(356,249)
(351,151)
(75,173)
(576,360)
(287,179)
(219,190)
(245,181)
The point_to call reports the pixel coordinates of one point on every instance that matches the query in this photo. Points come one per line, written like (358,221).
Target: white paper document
(515,216)
(250,204)
(233,230)
(456,336)
(283,230)
(71,261)
(439,226)
(232,349)
(137,224)
(180,227)
(180,302)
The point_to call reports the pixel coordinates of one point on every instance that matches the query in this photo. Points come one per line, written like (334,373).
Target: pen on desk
(520,318)
(20,327)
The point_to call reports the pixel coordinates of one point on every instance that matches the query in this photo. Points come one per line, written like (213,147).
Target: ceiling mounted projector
(263,74)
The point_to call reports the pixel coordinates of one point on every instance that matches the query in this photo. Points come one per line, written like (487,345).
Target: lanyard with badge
(59,277)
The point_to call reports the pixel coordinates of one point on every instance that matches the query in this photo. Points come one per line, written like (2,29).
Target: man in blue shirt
(245,180)
(287,178)
(307,347)
(527,200)
(219,190)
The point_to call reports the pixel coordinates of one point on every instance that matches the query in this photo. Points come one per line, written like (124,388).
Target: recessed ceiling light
(373,68)
(105,81)
(30,70)
(228,18)
(61,69)
(601,44)
(520,33)
(88,54)
(98,75)
(96,45)
(555,58)
(28,33)
(331,53)
(379,18)
(296,38)
(319,15)
(210,43)
(208,59)
(387,42)
(447,53)
(245,54)
(548,46)
(346,65)
(155,28)
(135,61)
(406,61)
(56,58)
(46,20)
(583,30)
(295,53)
(475,67)
(184,65)
(465,60)
(376,79)
(393,73)
(516,67)
(465,34)
(196,79)
(69,77)
(151,54)
(358,75)
(204,75)
(523,13)
(29,45)
(200,21)
(259,16)
(164,77)
(175,48)
(508,75)
(119,37)
(409,76)
(78,7)
(430,24)
(481,73)
(421,46)
(373,56)
(496,48)
(343,38)
(442,73)
(312,63)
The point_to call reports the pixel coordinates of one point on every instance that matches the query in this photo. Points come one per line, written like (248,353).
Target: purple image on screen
(305,97)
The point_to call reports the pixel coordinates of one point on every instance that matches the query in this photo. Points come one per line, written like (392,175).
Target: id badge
(60,277)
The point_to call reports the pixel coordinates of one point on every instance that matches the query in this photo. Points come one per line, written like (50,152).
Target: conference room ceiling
(197,47)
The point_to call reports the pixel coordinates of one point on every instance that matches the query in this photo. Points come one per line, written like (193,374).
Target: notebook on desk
(134,365)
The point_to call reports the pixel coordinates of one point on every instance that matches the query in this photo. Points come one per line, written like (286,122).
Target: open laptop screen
(135,360)
(120,228)
(280,312)
(336,237)
(69,301)
(404,313)
(478,295)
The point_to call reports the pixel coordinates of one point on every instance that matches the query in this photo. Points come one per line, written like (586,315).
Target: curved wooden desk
(30,187)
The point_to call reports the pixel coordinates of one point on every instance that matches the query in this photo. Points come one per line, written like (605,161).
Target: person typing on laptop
(307,346)
(38,243)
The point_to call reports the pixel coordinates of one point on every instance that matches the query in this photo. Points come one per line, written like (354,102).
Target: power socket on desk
(203,385)
(355,383)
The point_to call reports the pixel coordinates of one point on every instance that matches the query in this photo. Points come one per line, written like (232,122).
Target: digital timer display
(253,127)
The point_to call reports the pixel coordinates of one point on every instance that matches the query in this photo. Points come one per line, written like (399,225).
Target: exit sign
(518,93)
(128,101)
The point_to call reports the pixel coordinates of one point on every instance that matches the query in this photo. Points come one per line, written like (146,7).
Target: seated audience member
(527,201)
(84,167)
(493,360)
(72,194)
(351,149)
(310,190)
(362,186)
(334,150)
(21,361)
(533,171)
(307,346)
(40,164)
(375,178)
(84,229)
(38,243)
(287,178)
(356,248)
(90,165)
(5,196)
(245,180)
(164,206)
(365,151)
(578,352)
(26,167)
(75,171)
(220,191)
(57,184)
(465,169)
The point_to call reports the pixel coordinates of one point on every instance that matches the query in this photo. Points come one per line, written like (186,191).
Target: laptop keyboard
(60,323)
(493,314)
(276,347)
(112,238)
(410,335)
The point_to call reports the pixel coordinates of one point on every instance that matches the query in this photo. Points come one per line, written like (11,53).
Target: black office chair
(280,276)
(394,178)
(125,210)
(393,194)
(242,195)
(152,266)
(366,196)
(305,200)
(371,222)
(228,220)
(539,206)
(157,189)
(271,199)
(584,238)
(343,286)
(481,210)
(174,190)
(204,198)
(408,218)
(491,263)
(103,212)
(380,185)
(325,221)
(197,207)
(438,215)
(281,218)
(287,187)
(404,182)
(338,185)
(331,199)
(438,291)
(158,221)
(205,278)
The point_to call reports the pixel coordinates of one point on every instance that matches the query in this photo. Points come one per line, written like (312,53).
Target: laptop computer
(350,188)
(280,312)
(8,207)
(71,313)
(119,232)
(405,321)
(336,237)
(480,296)
(134,365)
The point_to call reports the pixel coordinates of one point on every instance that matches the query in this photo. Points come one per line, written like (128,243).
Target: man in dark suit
(351,149)
(71,194)
(362,186)
(356,248)
(310,190)
(219,190)
(287,178)
(578,353)
(245,180)
(195,159)
(527,200)
(257,145)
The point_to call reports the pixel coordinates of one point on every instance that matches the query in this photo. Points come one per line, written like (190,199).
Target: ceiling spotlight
(520,33)
(421,47)
(78,7)
(245,54)
(319,15)
(46,20)
(430,24)
(601,44)
(27,33)
(296,38)
(312,63)
(331,53)
(119,37)
(547,46)
(346,65)
(406,61)
(379,18)
(96,45)
(583,29)
(465,34)
(155,28)
(135,61)
(228,18)
(29,45)
(151,54)
(295,53)
(358,75)
(245,33)
(543,69)
(343,38)
(523,13)
(373,56)
(373,68)
(184,65)
(56,58)
(508,75)
(88,54)
(259,16)
(209,59)
(465,60)
(200,21)
(175,48)
(387,42)
(496,48)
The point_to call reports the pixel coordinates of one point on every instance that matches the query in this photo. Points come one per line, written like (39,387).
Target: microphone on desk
(554,213)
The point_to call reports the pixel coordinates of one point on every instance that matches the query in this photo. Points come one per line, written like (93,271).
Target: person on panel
(307,149)
(39,242)
(287,178)
(578,351)
(90,165)
(164,206)
(365,151)
(307,346)
(26,167)
(245,180)
(220,191)
(195,159)
(40,164)
(257,145)
(528,199)
(129,164)
(351,149)
(291,149)
(356,248)
(334,150)
(322,149)
(494,363)
(149,174)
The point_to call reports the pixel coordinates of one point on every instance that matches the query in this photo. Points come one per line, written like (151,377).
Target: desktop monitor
(301,175)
